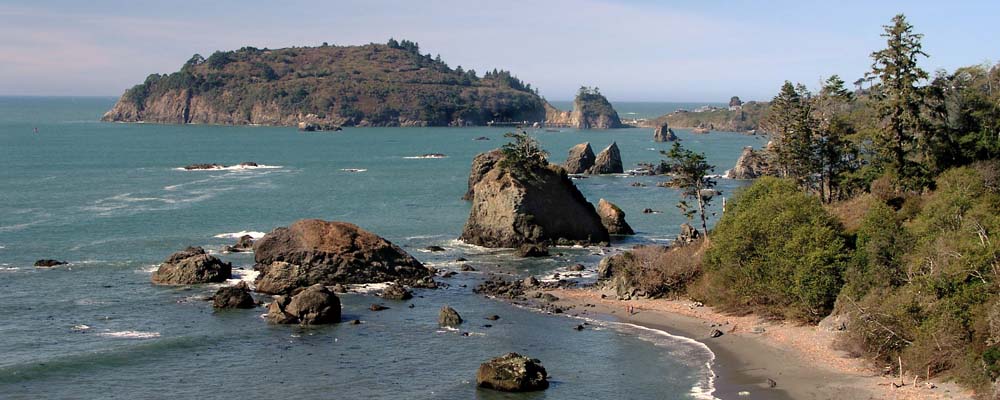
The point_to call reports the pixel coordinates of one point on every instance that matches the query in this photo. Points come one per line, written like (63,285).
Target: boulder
(482,164)
(395,291)
(243,244)
(532,250)
(608,161)
(312,306)
(237,296)
(314,251)
(48,263)
(512,207)
(663,133)
(580,159)
(449,317)
(190,266)
(576,267)
(688,234)
(512,372)
(613,218)
(530,282)
(752,164)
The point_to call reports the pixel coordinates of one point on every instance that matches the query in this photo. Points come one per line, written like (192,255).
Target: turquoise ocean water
(109,199)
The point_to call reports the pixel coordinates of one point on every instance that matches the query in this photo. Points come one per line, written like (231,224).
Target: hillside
(746,119)
(371,85)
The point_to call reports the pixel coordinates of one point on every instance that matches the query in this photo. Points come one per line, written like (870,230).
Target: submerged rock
(449,317)
(48,263)
(237,296)
(608,161)
(194,167)
(314,251)
(663,133)
(513,206)
(512,372)
(190,266)
(312,306)
(580,159)
(613,218)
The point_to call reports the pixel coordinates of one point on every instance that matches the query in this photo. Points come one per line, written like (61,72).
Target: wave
(237,167)
(354,169)
(131,334)
(426,156)
(236,235)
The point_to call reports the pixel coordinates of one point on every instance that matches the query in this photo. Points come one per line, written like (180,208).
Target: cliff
(372,85)
(591,110)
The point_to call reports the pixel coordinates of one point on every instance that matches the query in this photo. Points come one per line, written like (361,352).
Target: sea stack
(191,266)
(512,372)
(580,159)
(608,161)
(752,164)
(613,218)
(530,204)
(663,133)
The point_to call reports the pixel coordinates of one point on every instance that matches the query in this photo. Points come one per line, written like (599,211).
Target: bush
(776,252)
(657,271)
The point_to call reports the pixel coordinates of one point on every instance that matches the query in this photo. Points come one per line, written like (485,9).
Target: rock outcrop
(752,164)
(313,251)
(580,159)
(688,234)
(591,110)
(449,317)
(191,266)
(512,372)
(613,218)
(314,305)
(48,263)
(663,133)
(608,161)
(395,291)
(237,296)
(482,164)
(512,207)
(243,244)
(532,250)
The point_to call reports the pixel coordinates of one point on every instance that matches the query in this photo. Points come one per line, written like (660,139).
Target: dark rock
(771,383)
(203,166)
(48,263)
(532,250)
(461,259)
(312,306)
(191,266)
(435,248)
(649,211)
(377,307)
(482,138)
(512,373)
(338,288)
(715,333)
(580,159)
(467,268)
(237,296)
(449,317)
(313,251)
(579,327)
(575,267)
(243,244)
(609,161)
(356,322)
(549,297)
(637,184)
(511,208)
(248,164)
(663,133)
(493,317)
(395,291)
(448,274)
(613,218)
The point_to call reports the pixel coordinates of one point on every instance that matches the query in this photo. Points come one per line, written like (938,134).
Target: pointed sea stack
(663,133)
(609,161)
(580,159)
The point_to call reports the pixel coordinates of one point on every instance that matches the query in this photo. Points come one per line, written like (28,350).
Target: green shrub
(776,251)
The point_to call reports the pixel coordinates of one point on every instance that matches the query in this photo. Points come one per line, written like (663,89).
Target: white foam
(236,235)
(426,156)
(231,168)
(243,275)
(368,287)
(354,169)
(80,327)
(131,334)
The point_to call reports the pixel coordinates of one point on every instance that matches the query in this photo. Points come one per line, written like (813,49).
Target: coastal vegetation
(883,213)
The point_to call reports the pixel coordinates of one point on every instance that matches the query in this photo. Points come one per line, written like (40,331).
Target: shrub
(776,252)
(657,271)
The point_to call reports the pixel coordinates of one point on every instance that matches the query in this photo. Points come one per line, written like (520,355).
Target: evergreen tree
(691,175)
(899,100)
(791,126)
(835,154)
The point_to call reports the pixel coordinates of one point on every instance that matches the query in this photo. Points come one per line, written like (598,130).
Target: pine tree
(834,152)
(899,100)
(790,125)
(691,175)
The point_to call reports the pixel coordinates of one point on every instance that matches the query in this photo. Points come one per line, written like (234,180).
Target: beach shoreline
(799,360)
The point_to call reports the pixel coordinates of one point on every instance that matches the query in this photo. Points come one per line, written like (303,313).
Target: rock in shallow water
(395,291)
(237,296)
(48,263)
(613,218)
(191,266)
(512,373)
(312,306)
(449,317)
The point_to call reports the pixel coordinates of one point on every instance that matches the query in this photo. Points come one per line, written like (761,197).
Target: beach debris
(771,383)
(449,317)
(715,333)
(512,372)
(48,263)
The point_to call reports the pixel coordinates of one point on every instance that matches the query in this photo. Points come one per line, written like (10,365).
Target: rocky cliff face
(608,161)
(540,206)
(752,164)
(482,164)
(580,159)
(371,85)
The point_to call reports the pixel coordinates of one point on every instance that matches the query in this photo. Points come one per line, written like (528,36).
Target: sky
(638,50)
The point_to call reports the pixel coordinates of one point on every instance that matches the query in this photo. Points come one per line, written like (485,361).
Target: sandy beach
(799,359)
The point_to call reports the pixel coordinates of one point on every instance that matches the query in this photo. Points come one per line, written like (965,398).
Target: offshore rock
(608,161)
(613,218)
(663,133)
(313,306)
(191,266)
(580,159)
(237,296)
(512,372)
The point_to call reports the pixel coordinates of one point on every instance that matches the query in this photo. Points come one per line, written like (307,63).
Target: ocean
(111,200)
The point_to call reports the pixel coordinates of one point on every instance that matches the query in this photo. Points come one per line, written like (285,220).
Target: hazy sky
(633,50)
